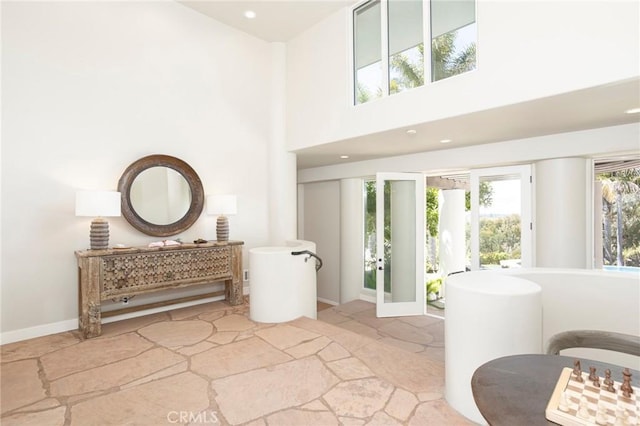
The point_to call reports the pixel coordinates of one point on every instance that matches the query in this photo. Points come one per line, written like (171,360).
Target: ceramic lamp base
(222,228)
(99,234)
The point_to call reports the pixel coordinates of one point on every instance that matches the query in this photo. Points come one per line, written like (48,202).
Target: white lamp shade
(222,204)
(97,203)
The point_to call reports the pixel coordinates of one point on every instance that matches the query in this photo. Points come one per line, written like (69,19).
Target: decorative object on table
(200,241)
(165,243)
(222,205)
(584,402)
(98,204)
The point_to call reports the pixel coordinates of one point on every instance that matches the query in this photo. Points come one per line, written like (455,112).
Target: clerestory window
(388,44)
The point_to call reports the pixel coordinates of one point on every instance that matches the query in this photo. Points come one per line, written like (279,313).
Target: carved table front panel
(105,274)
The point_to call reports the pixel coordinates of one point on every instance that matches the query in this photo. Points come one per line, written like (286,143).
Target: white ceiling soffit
(600,106)
(275,20)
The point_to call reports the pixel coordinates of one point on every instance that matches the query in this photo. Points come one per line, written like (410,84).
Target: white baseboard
(68,325)
(38,331)
(368,298)
(327,301)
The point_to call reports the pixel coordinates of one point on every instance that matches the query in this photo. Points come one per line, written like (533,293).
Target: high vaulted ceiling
(281,20)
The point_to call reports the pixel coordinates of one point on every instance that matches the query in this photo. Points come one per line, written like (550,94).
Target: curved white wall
(561,213)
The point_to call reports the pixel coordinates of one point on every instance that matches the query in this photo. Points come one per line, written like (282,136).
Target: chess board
(615,409)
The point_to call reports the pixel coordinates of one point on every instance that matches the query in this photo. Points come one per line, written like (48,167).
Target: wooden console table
(118,273)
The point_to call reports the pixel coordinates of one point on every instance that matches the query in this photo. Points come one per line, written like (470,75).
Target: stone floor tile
(40,405)
(383,419)
(20,385)
(434,354)
(53,417)
(401,404)
(223,337)
(174,334)
(360,329)
(272,389)
(197,310)
(93,353)
(333,352)
(258,422)
(132,324)
(153,403)
(286,336)
(429,396)
(37,347)
(359,398)
(350,421)
(233,323)
(236,358)
(308,348)
(295,417)
(355,306)
(316,405)
(115,374)
(403,331)
(416,373)
(350,368)
(171,371)
(407,346)
(437,413)
(211,316)
(421,320)
(332,317)
(315,326)
(352,341)
(196,349)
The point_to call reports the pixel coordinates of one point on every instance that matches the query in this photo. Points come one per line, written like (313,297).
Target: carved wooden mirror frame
(195,185)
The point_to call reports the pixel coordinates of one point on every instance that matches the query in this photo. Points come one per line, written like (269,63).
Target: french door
(501,218)
(400,210)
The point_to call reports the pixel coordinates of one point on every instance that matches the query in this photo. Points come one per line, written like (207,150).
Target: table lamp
(98,204)
(222,205)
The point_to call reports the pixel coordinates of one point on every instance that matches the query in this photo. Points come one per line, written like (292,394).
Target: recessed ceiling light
(249,14)
(412,131)
(633,111)
(344,157)
(445,140)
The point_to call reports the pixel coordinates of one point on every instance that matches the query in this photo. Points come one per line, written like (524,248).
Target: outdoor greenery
(406,69)
(621,217)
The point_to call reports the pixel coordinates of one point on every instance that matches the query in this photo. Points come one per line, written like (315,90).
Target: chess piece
(583,411)
(577,371)
(594,377)
(601,415)
(626,388)
(564,404)
(608,382)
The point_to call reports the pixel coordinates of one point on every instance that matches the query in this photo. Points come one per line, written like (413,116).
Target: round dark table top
(515,390)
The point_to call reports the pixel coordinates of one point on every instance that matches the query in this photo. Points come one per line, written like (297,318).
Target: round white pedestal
(282,287)
(488,316)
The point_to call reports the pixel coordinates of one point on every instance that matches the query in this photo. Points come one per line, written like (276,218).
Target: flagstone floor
(210,364)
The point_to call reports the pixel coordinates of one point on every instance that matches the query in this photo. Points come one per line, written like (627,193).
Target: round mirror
(161,195)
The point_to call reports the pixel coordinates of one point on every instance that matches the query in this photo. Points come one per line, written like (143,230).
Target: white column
(452,231)
(597,225)
(561,213)
(282,164)
(351,239)
(403,237)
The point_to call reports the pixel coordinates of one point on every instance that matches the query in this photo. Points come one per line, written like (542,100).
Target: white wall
(574,45)
(322,226)
(90,87)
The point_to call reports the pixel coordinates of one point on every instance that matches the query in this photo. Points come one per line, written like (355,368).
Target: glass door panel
(501,218)
(400,244)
